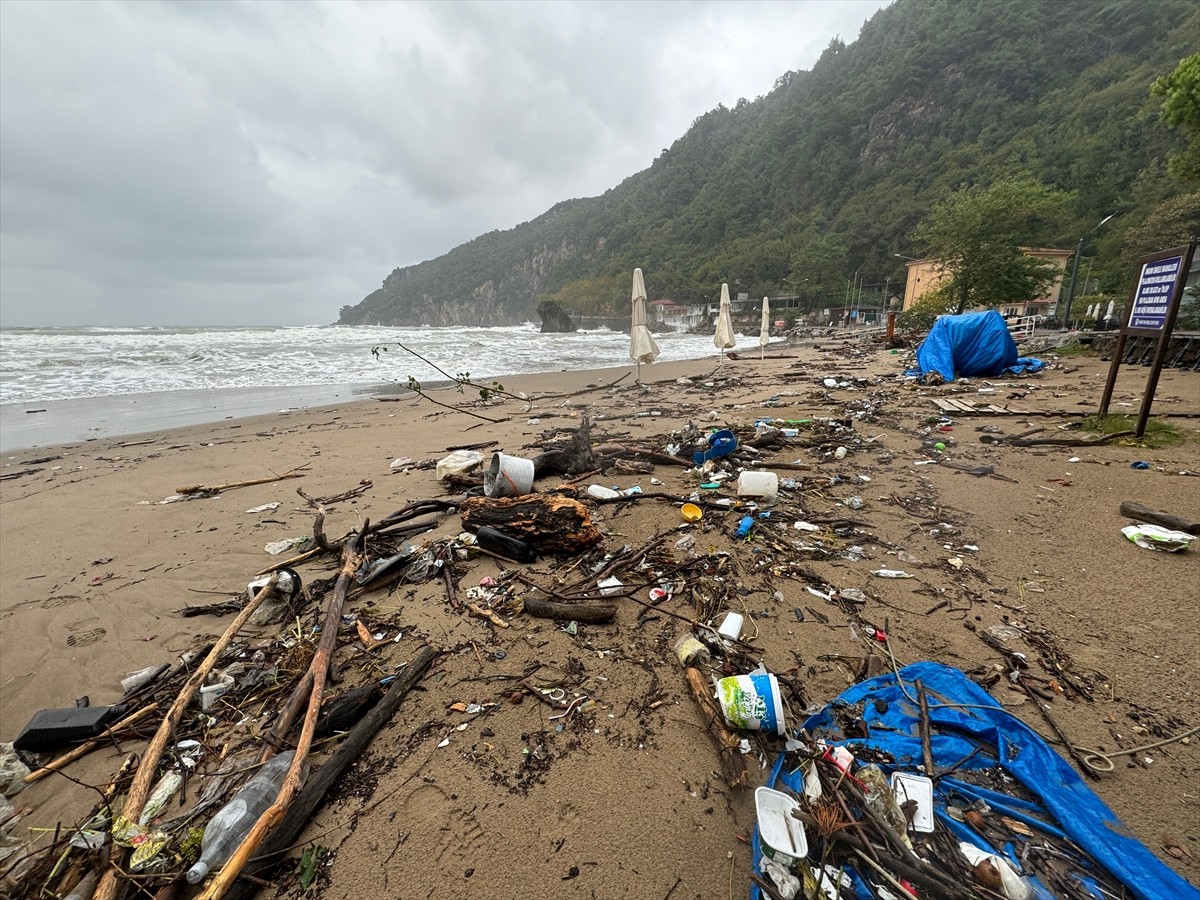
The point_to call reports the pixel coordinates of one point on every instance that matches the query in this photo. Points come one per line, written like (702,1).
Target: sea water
(97,381)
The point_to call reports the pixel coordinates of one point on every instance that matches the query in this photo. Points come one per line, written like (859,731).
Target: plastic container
(691,512)
(744,526)
(600,492)
(783,837)
(50,728)
(752,702)
(759,484)
(508,476)
(460,462)
(731,626)
(918,788)
(501,544)
(225,832)
(691,651)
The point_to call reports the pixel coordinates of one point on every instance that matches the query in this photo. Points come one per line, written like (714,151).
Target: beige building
(926,274)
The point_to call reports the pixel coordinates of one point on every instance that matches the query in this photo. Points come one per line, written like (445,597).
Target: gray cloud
(265,163)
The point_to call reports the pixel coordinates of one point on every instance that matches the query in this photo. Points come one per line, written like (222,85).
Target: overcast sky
(265,163)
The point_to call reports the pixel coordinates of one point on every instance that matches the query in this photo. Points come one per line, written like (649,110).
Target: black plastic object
(51,728)
(509,547)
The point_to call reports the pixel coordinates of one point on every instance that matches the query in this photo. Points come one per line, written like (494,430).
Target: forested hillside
(831,171)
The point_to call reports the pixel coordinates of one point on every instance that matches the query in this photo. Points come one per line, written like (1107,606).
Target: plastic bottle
(225,832)
(500,543)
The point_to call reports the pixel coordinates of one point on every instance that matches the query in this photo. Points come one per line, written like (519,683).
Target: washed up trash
(498,542)
(266,507)
(691,512)
(225,832)
(460,462)
(50,728)
(600,492)
(890,573)
(610,586)
(731,626)
(691,651)
(752,702)
(806,526)
(508,476)
(919,789)
(373,568)
(720,443)
(1153,537)
(995,776)
(400,462)
(279,605)
(12,771)
(282,546)
(1141,465)
(783,837)
(135,680)
(764,485)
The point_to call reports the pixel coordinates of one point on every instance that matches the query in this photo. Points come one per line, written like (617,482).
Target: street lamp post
(1066,319)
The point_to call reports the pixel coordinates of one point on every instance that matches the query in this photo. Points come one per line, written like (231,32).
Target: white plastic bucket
(508,476)
(752,702)
(758,484)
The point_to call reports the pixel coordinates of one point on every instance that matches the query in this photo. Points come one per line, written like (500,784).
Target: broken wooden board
(966,408)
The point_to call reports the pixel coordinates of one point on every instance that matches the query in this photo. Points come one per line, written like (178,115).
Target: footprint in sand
(60,600)
(83,638)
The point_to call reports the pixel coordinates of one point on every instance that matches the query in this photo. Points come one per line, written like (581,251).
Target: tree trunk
(547,522)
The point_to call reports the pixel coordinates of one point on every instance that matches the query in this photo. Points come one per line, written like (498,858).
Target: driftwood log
(574,459)
(1133,510)
(547,522)
(733,763)
(578,612)
(284,836)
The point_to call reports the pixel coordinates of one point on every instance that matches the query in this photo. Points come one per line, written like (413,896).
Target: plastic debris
(1152,537)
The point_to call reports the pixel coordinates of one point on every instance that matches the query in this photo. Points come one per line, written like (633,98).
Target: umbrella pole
(639,373)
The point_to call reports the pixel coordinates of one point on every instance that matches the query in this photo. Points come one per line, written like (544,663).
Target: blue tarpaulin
(1057,803)
(969,345)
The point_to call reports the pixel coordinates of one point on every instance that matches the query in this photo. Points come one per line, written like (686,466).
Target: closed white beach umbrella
(723,339)
(764,332)
(642,346)
(1108,315)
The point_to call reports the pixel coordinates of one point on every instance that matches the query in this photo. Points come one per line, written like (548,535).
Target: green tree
(977,234)
(1181,109)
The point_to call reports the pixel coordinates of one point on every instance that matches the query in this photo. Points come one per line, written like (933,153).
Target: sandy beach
(626,799)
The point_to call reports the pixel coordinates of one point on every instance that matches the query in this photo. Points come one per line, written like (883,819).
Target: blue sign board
(1155,288)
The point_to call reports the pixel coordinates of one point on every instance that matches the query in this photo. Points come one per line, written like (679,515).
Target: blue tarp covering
(969,345)
(1063,804)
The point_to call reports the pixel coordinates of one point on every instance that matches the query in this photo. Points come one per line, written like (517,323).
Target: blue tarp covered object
(1056,799)
(969,345)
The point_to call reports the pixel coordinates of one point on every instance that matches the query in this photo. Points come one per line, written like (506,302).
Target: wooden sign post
(1151,311)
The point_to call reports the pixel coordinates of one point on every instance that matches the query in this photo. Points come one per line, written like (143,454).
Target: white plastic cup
(508,476)
(752,702)
(759,484)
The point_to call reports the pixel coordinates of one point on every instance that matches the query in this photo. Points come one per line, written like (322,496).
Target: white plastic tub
(783,836)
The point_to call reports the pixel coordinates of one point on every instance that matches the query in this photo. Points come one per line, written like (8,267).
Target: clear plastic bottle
(233,821)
